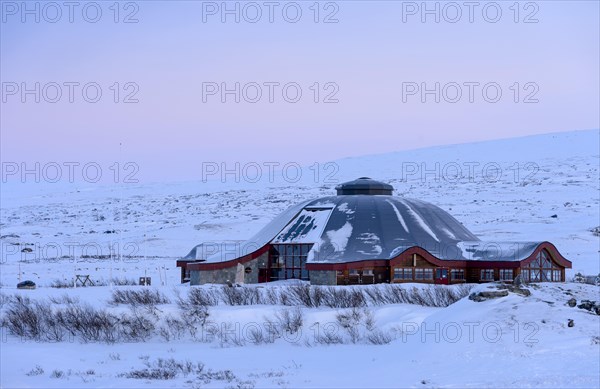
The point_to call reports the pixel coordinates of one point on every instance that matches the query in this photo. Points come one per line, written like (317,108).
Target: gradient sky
(368,54)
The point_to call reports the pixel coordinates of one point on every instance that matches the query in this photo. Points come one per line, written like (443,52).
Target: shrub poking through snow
(202,296)
(57,374)
(61,284)
(165,369)
(301,295)
(379,337)
(174,328)
(290,320)
(240,295)
(4,299)
(37,370)
(194,313)
(36,320)
(33,320)
(357,323)
(63,317)
(138,297)
(136,327)
(313,296)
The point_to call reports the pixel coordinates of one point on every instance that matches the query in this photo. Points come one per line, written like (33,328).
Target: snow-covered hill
(542,187)
(535,188)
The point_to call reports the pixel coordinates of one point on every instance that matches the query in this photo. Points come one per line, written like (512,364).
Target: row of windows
(403,273)
(406,273)
(356,272)
(544,275)
(488,274)
(542,268)
(409,273)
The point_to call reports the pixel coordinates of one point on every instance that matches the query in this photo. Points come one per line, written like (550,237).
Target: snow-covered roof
(497,251)
(262,237)
(357,227)
(363,227)
(306,227)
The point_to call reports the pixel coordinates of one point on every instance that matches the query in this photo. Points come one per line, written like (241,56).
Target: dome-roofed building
(366,235)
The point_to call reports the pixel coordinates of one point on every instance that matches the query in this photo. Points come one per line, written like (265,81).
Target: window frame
(423,274)
(542,269)
(406,274)
(453,274)
(483,275)
(502,274)
(286,261)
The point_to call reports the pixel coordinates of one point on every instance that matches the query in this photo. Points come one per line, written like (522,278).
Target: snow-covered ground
(513,341)
(524,189)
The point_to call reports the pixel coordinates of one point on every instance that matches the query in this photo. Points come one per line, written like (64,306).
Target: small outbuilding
(365,235)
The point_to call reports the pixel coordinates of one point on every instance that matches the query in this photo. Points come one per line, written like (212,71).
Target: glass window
(556,276)
(304,274)
(368,272)
(277,274)
(487,274)
(290,259)
(457,274)
(506,274)
(543,269)
(405,273)
(547,275)
(423,274)
(304,249)
(546,263)
(353,272)
(418,274)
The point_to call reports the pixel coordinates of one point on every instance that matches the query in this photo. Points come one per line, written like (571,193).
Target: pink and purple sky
(375,51)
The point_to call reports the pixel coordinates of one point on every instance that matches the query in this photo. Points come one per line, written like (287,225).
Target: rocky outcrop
(488,294)
(591,306)
(517,289)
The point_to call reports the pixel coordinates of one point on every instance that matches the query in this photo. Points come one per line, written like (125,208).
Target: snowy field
(525,189)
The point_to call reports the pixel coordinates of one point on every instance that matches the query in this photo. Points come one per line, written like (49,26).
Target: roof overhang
(459,263)
(406,254)
(230,263)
